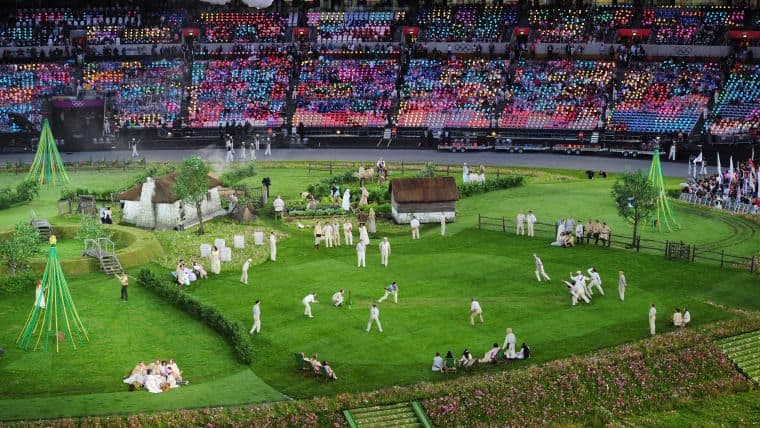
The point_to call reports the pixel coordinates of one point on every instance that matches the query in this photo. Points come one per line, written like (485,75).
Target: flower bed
(628,378)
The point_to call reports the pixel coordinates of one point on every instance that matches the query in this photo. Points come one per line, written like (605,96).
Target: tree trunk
(635,229)
(200,218)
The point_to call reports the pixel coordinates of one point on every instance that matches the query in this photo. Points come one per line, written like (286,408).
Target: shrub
(22,281)
(324,186)
(18,250)
(234,175)
(427,171)
(90,227)
(27,190)
(491,184)
(211,316)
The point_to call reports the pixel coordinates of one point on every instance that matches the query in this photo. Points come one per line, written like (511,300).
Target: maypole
(664,214)
(47,167)
(54,313)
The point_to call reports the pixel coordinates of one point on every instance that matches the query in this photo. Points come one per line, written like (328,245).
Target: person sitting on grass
(437,362)
(523,353)
(199,270)
(569,240)
(449,357)
(329,371)
(490,356)
(677,318)
(137,375)
(153,382)
(467,360)
(686,317)
(315,364)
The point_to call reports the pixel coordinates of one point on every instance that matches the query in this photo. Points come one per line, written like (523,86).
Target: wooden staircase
(407,415)
(104,250)
(44,228)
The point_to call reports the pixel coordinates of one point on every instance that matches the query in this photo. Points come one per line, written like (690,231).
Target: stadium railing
(729,206)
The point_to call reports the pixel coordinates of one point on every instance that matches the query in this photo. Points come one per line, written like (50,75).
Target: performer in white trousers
(540,269)
(531,220)
(652,319)
(337,298)
(374,315)
(348,234)
(415,225)
(385,251)
(582,279)
(242,150)
(596,280)
(621,285)
(390,290)
(475,311)
(244,275)
(520,223)
(327,234)
(256,318)
(361,254)
(307,301)
(443,224)
(272,246)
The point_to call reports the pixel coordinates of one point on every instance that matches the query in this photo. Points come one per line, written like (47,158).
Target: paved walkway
(536,160)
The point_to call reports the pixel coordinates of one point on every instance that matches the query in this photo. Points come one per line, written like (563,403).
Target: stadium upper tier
(125,25)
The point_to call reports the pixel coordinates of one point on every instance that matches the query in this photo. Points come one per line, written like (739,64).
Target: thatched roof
(422,190)
(163,193)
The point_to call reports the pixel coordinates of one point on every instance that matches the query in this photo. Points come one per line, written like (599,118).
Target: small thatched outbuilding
(425,198)
(153,204)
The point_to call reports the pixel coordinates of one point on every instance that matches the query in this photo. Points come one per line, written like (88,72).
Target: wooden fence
(651,246)
(396,167)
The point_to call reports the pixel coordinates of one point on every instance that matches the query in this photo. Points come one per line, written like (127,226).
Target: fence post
(667,242)
(694,252)
(503,225)
(722,255)
(478,220)
(448,168)
(331,165)
(497,174)
(309,169)
(752,265)
(402,167)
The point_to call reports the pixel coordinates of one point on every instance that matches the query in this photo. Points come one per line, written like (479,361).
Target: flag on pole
(720,171)
(731,168)
(698,159)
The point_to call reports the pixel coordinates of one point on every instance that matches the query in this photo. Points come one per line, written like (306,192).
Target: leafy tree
(635,198)
(27,190)
(90,227)
(427,171)
(20,247)
(192,184)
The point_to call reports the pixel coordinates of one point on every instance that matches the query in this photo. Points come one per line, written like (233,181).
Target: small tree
(90,227)
(192,184)
(20,247)
(635,198)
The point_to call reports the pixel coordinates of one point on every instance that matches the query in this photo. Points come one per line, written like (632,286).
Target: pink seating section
(241,27)
(23,87)
(557,95)
(560,25)
(663,97)
(455,93)
(692,26)
(147,94)
(466,22)
(354,27)
(737,111)
(344,92)
(239,91)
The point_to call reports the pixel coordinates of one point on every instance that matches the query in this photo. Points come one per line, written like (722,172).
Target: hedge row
(591,389)
(210,315)
(25,191)
(491,184)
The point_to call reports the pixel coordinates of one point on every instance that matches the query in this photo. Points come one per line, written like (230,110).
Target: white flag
(698,159)
(720,171)
(731,167)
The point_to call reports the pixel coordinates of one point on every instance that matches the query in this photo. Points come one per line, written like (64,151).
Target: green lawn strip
(239,388)
(741,409)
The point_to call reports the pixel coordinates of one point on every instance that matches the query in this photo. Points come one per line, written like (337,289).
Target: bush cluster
(234,175)
(25,191)
(491,184)
(211,316)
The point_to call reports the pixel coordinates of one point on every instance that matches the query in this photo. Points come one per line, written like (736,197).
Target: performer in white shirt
(510,342)
(475,311)
(520,223)
(244,275)
(348,235)
(582,279)
(531,220)
(390,290)
(272,246)
(327,233)
(621,285)
(307,301)
(540,269)
(363,235)
(596,280)
(415,225)
(337,298)
(652,319)
(361,254)
(256,318)
(374,315)
(385,251)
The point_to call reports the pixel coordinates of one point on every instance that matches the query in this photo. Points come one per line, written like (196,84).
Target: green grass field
(437,278)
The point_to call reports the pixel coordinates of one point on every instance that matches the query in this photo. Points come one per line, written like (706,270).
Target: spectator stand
(737,111)
(24,89)
(692,25)
(467,23)
(354,26)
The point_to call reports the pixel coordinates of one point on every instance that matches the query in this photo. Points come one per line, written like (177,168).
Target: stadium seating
(691,26)
(663,97)
(23,88)
(242,27)
(605,22)
(466,23)
(147,94)
(451,93)
(738,108)
(559,25)
(248,90)
(345,92)
(351,27)
(557,95)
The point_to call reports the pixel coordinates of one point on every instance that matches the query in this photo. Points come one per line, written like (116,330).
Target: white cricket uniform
(443,225)
(327,235)
(244,275)
(583,281)
(385,252)
(520,224)
(475,311)
(415,225)
(307,301)
(540,269)
(256,319)
(374,315)
(621,287)
(530,219)
(361,255)
(337,298)
(596,281)
(348,235)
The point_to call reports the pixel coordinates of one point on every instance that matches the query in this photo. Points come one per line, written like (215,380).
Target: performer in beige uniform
(385,251)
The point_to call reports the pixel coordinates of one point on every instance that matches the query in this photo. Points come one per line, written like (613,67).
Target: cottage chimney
(146,216)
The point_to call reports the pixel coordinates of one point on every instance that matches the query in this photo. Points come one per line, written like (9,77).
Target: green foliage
(22,281)
(635,197)
(22,245)
(427,171)
(383,209)
(327,211)
(324,186)
(491,184)
(211,316)
(233,176)
(25,191)
(192,184)
(90,227)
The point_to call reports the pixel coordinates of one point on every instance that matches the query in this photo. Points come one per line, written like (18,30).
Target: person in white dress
(216,260)
(510,341)
(346,203)
(279,207)
(327,233)
(244,273)
(39,296)
(530,219)
(475,312)
(520,223)
(337,298)
(415,225)
(374,315)
(371,221)
(443,224)
(348,235)
(540,269)
(652,319)
(621,285)
(272,246)
(307,301)
(361,254)
(256,318)
(465,173)
(242,150)
(385,252)
(363,235)
(153,383)
(560,232)
(686,317)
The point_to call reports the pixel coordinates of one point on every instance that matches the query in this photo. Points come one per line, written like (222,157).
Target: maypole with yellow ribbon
(47,166)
